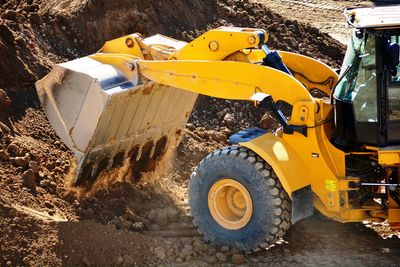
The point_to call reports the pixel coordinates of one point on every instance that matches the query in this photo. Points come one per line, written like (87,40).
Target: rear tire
(270,216)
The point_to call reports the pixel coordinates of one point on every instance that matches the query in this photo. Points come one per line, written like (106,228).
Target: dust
(125,174)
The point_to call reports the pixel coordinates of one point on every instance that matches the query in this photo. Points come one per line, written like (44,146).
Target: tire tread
(281,213)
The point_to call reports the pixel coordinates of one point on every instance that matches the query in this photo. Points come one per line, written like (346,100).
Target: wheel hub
(230,204)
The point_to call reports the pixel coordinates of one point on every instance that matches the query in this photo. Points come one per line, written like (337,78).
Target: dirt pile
(26,52)
(86,26)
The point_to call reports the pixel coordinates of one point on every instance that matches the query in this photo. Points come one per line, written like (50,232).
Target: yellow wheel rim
(230,204)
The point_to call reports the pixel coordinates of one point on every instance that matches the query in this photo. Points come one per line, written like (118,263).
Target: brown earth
(45,221)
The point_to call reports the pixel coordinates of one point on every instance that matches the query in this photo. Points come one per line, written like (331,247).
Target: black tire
(271,216)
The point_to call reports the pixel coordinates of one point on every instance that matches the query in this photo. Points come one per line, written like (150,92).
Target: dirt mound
(86,27)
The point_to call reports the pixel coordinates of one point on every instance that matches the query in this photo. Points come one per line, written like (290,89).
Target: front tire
(237,200)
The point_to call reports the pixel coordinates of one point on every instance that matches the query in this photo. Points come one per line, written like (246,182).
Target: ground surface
(45,221)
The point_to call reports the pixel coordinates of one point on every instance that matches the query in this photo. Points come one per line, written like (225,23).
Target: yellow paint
(285,161)
(389,157)
(219,43)
(310,72)
(225,79)
(121,46)
(230,204)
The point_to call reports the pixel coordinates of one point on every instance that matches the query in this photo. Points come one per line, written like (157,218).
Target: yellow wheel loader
(339,154)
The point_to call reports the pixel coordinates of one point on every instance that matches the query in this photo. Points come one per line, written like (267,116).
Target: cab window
(359,83)
(394,88)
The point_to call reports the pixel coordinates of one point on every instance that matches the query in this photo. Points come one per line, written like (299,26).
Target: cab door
(392,74)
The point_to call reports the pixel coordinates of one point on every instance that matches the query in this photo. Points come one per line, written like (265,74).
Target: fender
(289,169)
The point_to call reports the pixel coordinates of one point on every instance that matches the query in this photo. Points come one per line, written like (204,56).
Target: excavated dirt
(45,221)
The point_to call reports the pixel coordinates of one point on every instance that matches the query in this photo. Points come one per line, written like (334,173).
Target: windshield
(358,85)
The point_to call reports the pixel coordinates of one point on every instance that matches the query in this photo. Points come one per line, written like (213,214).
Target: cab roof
(374,17)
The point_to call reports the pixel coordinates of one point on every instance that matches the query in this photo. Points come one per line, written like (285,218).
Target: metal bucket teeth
(105,115)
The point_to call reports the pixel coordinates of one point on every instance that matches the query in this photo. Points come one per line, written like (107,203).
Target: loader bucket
(105,115)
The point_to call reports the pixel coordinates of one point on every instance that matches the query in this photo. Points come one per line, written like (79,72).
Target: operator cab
(367,96)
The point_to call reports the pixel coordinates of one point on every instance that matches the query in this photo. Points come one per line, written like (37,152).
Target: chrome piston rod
(379,184)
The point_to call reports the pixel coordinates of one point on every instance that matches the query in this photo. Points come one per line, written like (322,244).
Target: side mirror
(392,56)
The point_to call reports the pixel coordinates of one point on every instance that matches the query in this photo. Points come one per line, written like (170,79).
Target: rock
(9,14)
(188,258)
(229,120)
(137,226)
(22,152)
(118,260)
(172,215)
(220,114)
(178,260)
(235,251)
(199,246)
(49,205)
(212,260)
(197,243)
(216,136)
(224,249)
(34,18)
(190,126)
(226,131)
(34,166)
(128,260)
(21,161)
(44,183)
(212,250)
(123,224)
(29,179)
(238,259)
(4,155)
(200,133)
(34,157)
(186,251)
(131,216)
(159,253)
(12,149)
(221,257)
